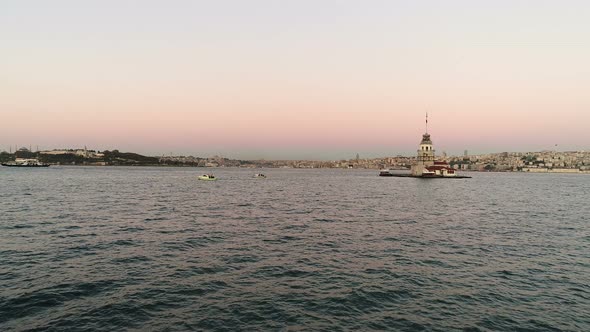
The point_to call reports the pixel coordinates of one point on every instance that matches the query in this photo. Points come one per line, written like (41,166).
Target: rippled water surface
(115,248)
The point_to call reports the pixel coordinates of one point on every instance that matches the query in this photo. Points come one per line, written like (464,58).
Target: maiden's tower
(425,165)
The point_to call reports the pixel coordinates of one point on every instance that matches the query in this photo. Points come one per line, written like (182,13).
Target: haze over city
(295,79)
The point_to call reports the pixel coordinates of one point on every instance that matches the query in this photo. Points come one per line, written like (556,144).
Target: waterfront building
(425,162)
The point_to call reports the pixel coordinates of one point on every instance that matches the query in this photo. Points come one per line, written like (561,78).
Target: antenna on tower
(427,122)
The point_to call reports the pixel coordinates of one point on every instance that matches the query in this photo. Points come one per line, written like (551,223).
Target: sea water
(139,248)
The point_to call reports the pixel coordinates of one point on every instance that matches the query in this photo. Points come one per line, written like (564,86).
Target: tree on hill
(5,156)
(67,158)
(128,158)
(489,167)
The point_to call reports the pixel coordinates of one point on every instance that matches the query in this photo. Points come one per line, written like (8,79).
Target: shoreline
(530,171)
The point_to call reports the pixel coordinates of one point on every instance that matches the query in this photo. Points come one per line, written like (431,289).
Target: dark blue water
(85,248)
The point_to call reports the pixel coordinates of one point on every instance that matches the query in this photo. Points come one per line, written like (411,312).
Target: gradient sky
(295,79)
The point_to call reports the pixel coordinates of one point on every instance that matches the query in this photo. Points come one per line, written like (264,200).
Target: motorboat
(427,173)
(207,177)
(385,172)
(259,176)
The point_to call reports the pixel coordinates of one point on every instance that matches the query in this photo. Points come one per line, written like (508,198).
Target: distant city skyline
(320,80)
(338,155)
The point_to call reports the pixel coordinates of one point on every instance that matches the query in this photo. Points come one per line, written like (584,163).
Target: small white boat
(259,176)
(385,172)
(207,177)
(428,173)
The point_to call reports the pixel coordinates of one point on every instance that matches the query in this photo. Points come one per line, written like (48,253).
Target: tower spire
(427,122)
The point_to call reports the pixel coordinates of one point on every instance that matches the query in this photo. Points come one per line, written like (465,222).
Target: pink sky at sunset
(318,80)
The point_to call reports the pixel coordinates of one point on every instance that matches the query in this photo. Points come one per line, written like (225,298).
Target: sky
(295,79)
